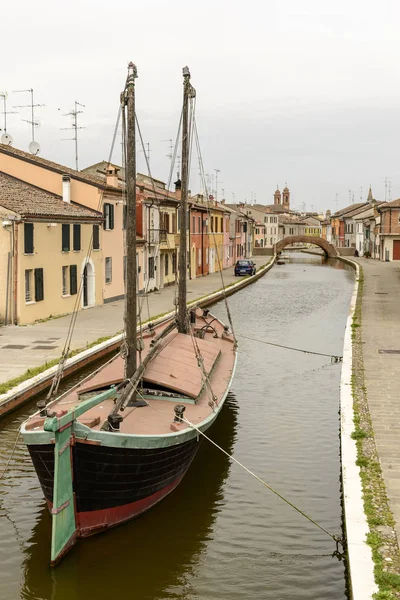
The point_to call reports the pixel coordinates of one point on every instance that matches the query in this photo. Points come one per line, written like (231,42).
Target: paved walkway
(43,342)
(381,331)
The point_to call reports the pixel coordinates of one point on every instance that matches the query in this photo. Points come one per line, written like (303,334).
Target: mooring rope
(335,538)
(334,358)
(11,456)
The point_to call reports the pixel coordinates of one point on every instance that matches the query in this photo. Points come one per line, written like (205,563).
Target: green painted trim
(63,527)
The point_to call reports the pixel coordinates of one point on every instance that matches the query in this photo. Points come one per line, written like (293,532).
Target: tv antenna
(147,154)
(6,138)
(170,148)
(216,182)
(74,114)
(32,106)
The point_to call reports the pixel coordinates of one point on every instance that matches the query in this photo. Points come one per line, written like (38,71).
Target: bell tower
(286,198)
(277,196)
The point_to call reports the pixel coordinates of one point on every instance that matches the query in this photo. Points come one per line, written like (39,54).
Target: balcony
(157,236)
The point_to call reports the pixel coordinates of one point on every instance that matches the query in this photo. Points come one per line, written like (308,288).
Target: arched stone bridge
(307,239)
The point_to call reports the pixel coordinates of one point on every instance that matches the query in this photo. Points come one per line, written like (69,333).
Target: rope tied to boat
(337,539)
(334,358)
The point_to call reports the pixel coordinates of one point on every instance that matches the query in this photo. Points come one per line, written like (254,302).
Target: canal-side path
(380,334)
(30,346)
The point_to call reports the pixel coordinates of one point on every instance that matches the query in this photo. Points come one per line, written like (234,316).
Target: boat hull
(113,485)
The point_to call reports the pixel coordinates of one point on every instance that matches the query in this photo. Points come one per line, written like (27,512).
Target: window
(398,219)
(76,238)
(207,252)
(166,264)
(65,281)
(28,285)
(108,212)
(151,267)
(212,224)
(194,225)
(28,238)
(39,287)
(73,280)
(108,269)
(174,262)
(96,237)
(199,219)
(199,257)
(65,238)
(222,224)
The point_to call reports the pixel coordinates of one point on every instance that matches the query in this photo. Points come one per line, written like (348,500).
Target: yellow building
(45,268)
(215,232)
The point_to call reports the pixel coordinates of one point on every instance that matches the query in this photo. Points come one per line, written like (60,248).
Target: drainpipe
(15,255)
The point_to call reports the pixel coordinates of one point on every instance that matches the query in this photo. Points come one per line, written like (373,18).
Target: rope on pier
(333,357)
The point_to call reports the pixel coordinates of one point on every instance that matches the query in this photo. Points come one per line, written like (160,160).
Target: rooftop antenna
(6,112)
(6,138)
(216,182)
(352,198)
(361,194)
(32,121)
(390,190)
(170,148)
(74,114)
(147,154)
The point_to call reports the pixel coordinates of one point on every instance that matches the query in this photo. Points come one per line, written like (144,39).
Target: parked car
(245,267)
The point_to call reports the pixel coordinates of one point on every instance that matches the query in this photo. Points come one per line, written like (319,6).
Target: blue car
(245,267)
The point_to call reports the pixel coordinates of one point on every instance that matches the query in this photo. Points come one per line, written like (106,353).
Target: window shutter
(28,238)
(105,215)
(39,288)
(96,237)
(111,216)
(77,237)
(73,281)
(65,238)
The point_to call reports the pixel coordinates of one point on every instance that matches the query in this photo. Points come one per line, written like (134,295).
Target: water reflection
(170,538)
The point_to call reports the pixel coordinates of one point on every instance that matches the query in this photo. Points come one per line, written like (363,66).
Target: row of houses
(370,228)
(62,236)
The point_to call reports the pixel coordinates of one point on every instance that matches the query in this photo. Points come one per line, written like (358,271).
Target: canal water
(221,534)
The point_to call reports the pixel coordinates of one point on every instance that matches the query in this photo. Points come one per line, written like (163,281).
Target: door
(85,286)
(396,249)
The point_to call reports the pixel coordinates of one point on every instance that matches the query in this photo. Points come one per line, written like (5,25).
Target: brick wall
(390,221)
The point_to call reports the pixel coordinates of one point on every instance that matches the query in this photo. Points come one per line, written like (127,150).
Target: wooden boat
(120,441)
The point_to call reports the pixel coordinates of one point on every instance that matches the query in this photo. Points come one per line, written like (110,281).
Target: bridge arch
(329,250)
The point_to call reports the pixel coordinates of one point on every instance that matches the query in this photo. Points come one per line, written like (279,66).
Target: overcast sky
(300,92)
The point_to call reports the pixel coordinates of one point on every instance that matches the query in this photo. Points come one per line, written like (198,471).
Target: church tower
(286,198)
(277,197)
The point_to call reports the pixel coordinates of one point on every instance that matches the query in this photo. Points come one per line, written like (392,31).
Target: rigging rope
(67,345)
(11,456)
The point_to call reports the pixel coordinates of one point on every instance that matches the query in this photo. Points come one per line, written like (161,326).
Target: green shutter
(28,238)
(96,237)
(111,216)
(77,237)
(65,238)
(73,280)
(39,287)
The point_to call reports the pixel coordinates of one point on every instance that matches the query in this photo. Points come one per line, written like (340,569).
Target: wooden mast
(131,267)
(188,92)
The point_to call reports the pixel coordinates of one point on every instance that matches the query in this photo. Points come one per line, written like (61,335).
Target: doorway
(88,285)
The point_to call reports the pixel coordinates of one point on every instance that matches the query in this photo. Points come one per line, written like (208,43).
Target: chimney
(328,214)
(66,188)
(178,188)
(112,176)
